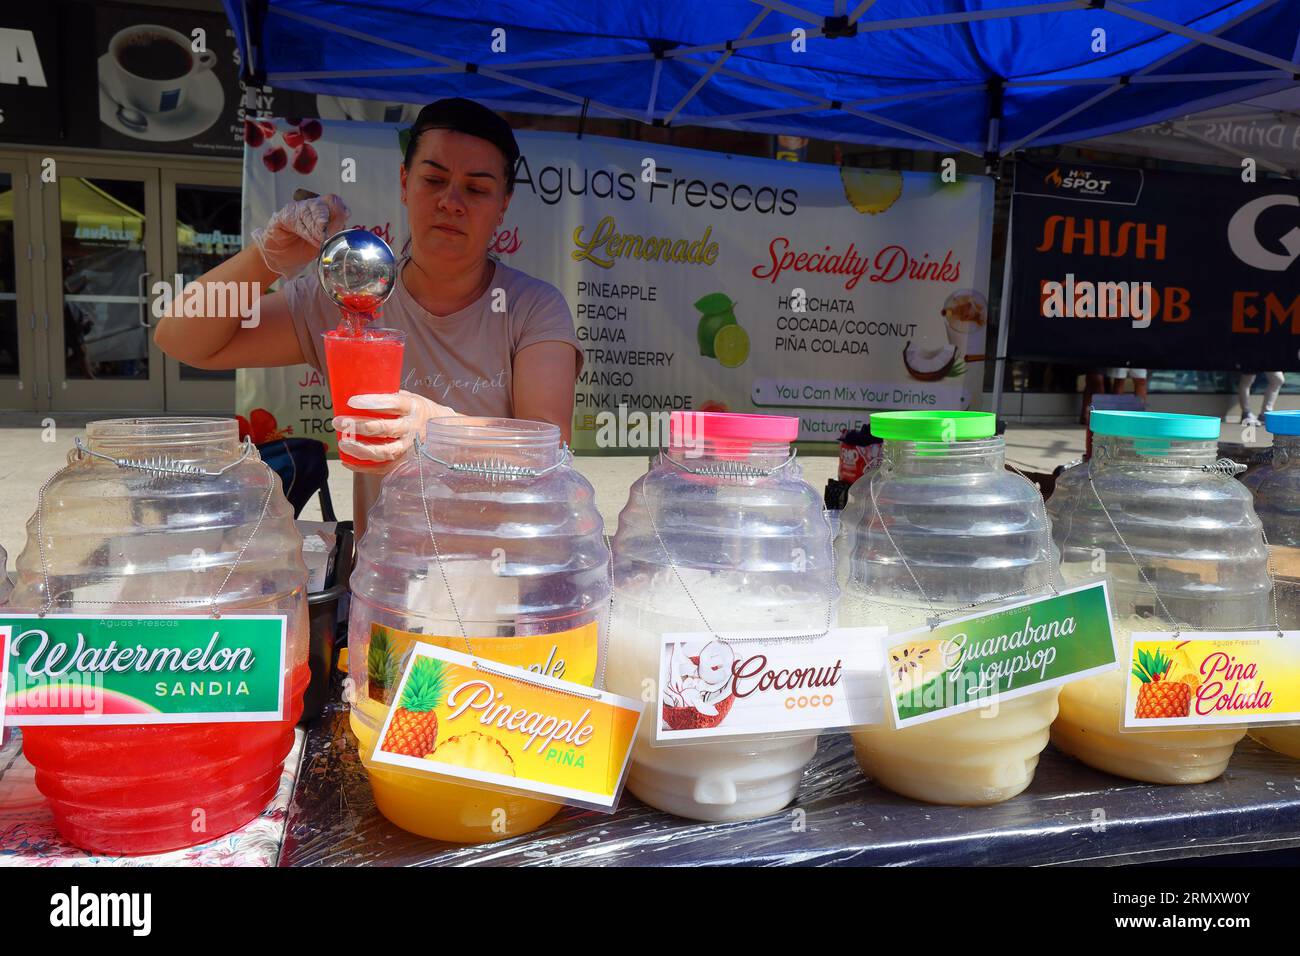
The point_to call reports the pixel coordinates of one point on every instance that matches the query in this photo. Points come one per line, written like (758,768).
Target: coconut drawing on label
(698,693)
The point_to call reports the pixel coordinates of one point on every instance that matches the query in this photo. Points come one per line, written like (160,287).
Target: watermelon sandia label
(66,669)
(1016,650)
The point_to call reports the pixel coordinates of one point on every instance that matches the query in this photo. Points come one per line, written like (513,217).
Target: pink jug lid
(731,426)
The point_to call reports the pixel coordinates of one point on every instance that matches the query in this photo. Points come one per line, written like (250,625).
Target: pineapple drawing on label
(698,693)
(381,664)
(1159,696)
(475,751)
(414,728)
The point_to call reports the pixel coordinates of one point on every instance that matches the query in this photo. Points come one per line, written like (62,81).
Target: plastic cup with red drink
(365,362)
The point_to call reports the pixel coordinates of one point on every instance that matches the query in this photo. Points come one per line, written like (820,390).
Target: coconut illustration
(698,694)
(929,364)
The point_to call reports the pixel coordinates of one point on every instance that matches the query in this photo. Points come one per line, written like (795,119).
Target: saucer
(203,104)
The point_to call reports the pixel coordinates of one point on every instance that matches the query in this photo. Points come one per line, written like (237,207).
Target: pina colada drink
(1277,502)
(1179,541)
(721,535)
(941,525)
(484,541)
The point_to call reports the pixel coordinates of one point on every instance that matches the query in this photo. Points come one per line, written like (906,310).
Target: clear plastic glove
(413,413)
(293,236)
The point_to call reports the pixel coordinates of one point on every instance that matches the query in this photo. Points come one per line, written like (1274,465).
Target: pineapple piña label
(1019,649)
(761,684)
(67,669)
(1244,678)
(508,728)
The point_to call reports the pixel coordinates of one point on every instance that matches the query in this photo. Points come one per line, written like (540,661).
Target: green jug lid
(933,426)
(1155,425)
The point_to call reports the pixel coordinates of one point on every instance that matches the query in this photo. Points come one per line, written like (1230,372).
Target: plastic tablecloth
(28,836)
(1070,815)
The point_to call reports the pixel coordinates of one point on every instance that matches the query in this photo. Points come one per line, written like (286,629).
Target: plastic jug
(722,534)
(1277,502)
(1180,541)
(144,534)
(949,527)
(486,541)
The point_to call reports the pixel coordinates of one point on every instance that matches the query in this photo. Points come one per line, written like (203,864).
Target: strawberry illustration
(304,158)
(275,158)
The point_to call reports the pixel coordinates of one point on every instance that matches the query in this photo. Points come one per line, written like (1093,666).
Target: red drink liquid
(365,363)
(148,789)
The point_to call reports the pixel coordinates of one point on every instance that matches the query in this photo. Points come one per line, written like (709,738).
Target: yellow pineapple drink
(1178,540)
(950,527)
(484,541)
(1276,486)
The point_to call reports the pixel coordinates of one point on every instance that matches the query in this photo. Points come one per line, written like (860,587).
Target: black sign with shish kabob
(1127,267)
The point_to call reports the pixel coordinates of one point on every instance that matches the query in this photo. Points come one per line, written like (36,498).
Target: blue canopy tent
(977,76)
(983,77)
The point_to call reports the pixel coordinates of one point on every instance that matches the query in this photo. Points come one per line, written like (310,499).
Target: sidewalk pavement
(30,452)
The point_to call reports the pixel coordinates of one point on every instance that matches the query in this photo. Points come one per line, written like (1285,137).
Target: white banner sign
(699,280)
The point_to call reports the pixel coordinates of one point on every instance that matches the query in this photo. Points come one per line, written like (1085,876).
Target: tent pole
(1004,310)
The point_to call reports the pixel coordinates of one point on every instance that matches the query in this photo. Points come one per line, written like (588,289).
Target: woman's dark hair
(473,119)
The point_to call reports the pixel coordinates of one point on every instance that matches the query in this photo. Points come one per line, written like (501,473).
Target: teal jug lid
(1164,425)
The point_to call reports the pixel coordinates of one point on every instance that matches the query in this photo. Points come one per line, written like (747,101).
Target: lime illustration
(731,346)
(716,312)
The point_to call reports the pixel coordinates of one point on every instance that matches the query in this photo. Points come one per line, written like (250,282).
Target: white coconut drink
(722,534)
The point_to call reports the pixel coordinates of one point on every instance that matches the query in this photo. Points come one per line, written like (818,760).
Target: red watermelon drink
(203,524)
(157,787)
(368,362)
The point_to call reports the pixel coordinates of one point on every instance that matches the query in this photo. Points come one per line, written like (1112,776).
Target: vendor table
(1070,815)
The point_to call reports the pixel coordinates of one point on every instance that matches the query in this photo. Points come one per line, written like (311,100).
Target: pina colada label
(66,669)
(762,684)
(570,655)
(508,728)
(1226,678)
(1018,649)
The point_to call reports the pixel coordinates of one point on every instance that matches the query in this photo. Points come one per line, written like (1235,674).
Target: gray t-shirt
(464,360)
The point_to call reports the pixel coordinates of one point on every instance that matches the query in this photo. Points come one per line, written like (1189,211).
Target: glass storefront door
(201,213)
(104,252)
(79,259)
(18,363)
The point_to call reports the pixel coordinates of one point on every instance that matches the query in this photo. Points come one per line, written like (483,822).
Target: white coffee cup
(153,95)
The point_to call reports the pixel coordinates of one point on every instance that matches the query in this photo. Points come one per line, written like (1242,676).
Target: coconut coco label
(571,655)
(1018,649)
(1243,678)
(66,669)
(507,728)
(766,684)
